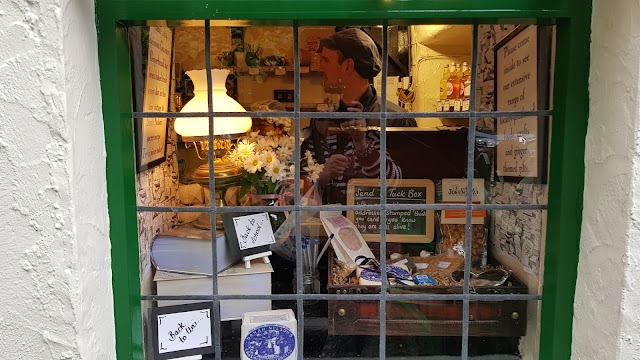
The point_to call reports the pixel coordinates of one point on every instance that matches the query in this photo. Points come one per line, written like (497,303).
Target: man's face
(333,71)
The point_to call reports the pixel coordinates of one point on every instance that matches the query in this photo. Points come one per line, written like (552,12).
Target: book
(188,250)
(236,280)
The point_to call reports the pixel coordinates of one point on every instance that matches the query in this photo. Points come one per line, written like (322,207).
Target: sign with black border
(522,83)
(173,329)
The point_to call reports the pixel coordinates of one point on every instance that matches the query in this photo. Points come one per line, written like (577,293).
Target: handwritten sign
(402,225)
(152,137)
(182,330)
(454,191)
(253,231)
(516,76)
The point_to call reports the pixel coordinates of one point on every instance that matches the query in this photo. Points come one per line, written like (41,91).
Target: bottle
(443,82)
(459,75)
(453,83)
(466,80)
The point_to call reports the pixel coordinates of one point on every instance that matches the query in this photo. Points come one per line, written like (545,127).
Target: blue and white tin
(269,335)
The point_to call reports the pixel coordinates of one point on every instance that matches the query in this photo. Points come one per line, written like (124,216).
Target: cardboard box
(269,335)
(234,281)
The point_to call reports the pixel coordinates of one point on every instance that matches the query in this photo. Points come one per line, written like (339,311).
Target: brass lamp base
(226,175)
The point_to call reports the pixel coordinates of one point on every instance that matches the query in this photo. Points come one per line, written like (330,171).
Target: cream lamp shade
(197,128)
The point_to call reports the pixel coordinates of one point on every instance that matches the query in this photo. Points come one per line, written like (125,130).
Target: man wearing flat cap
(349,62)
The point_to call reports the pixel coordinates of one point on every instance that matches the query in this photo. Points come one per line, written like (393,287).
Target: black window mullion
(469,202)
(212,208)
(297,200)
(383,193)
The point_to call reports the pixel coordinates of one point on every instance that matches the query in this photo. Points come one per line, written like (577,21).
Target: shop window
(274,141)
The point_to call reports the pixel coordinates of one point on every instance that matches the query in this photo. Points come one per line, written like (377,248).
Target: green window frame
(570,99)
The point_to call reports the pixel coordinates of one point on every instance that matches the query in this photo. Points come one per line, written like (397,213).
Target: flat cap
(357,45)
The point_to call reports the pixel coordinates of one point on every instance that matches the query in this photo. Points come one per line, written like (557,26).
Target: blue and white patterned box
(269,335)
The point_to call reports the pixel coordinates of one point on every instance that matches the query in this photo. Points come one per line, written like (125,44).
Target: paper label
(280,70)
(421,266)
(443,264)
(401,262)
(269,318)
(466,105)
(254,70)
(446,105)
(454,191)
(439,106)
(457,105)
(253,230)
(304,69)
(184,330)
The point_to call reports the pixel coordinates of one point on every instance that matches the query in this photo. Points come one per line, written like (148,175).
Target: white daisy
(268,158)
(276,171)
(253,164)
(245,148)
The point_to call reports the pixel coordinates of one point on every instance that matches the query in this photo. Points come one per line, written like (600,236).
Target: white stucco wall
(607,306)
(55,270)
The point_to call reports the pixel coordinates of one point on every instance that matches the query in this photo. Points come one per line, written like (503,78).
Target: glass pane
(516,243)
(505,329)
(512,156)
(420,328)
(515,67)
(440,57)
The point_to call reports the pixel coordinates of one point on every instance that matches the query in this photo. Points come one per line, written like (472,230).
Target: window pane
(439,58)
(517,328)
(512,156)
(515,67)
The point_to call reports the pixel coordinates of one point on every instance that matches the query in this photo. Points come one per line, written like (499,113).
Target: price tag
(457,105)
(280,71)
(466,104)
(443,264)
(421,266)
(304,69)
(445,105)
(439,106)
(254,70)
(253,230)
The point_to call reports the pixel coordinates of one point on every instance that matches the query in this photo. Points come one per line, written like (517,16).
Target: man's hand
(333,168)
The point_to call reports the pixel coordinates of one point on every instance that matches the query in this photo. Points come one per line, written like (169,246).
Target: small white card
(457,105)
(184,330)
(253,230)
(465,105)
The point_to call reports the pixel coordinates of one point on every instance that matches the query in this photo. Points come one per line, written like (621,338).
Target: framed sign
(151,133)
(522,72)
(407,226)
(182,330)
(248,233)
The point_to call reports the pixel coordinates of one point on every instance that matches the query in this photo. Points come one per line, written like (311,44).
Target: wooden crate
(430,317)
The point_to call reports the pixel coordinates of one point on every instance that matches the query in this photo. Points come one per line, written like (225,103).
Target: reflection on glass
(512,156)
(514,337)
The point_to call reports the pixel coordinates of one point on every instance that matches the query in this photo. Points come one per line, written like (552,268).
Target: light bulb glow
(221,102)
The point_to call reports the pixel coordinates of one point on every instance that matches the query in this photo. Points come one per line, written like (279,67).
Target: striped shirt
(336,190)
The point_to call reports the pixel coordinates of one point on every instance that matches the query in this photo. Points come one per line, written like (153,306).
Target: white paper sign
(253,230)
(517,90)
(184,331)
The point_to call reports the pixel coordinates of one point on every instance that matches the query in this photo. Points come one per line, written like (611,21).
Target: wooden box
(427,318)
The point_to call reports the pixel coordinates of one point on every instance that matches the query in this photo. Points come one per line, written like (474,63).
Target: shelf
(288,69)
